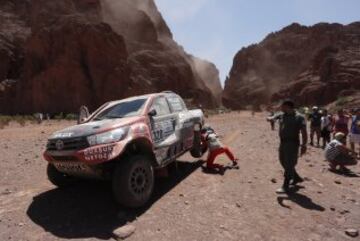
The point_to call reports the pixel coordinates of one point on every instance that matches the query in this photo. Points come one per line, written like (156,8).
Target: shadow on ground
(300,199)
(217,171)
(345,174)
(88,210)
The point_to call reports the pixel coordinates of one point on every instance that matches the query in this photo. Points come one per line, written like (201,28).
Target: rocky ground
(193,205)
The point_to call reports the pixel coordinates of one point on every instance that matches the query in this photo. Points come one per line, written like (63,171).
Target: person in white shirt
(337,154)
(83,114)
(326,128)
(215,148)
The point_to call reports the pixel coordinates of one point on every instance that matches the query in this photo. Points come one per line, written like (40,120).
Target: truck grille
(69,144)
(65,158)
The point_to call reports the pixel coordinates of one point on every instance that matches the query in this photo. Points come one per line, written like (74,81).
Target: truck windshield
(126,108)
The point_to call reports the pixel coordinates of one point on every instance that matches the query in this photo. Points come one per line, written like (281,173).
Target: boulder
(124,232)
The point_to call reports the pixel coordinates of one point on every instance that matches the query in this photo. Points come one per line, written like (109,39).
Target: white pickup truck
(124,141)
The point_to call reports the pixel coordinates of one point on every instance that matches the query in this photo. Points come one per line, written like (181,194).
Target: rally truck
(125,141)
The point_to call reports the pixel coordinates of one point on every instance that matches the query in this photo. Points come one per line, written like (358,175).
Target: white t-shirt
(332,151)
(213,142)
(326,123)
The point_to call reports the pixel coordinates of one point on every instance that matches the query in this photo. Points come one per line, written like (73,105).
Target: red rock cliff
(313,65)
(63,54)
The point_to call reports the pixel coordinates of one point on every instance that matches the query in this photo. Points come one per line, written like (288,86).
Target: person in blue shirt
(355,131)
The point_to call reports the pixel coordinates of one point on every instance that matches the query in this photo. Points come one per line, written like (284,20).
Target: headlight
(107,137)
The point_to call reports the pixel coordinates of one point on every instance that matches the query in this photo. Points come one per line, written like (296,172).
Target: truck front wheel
(133,181)
(199,148)
(57,178)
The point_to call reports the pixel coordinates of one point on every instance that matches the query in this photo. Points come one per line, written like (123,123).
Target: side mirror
(152,113)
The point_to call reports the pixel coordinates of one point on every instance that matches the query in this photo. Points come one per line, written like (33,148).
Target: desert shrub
(71,117)
(20,119)
(4,121)
(59,116)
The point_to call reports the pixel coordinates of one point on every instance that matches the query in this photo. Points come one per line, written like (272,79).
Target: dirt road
(192,205)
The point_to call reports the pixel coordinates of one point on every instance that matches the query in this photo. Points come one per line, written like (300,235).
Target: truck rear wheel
(133,181)
(57,178)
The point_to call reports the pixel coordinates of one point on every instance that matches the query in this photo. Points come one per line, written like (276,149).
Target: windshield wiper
(108,117)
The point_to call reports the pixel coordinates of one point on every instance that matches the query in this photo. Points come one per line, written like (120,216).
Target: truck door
(163,128)
(185,128)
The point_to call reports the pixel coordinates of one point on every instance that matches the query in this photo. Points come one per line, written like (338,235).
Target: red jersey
(342,124)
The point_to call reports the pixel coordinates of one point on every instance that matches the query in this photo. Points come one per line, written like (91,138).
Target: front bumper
(86,162)
(91,155)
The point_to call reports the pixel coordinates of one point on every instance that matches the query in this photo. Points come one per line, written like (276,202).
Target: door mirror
(152,113)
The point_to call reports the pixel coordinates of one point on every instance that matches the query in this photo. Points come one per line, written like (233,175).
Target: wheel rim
(139,181)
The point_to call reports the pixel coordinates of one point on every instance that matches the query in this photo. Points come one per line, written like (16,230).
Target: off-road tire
(198,149)
(133,181)
(57,178)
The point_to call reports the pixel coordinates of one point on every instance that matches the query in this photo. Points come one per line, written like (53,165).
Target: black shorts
(325,133)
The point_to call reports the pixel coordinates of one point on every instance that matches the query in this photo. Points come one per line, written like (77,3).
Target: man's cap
(315,108)
(339,136)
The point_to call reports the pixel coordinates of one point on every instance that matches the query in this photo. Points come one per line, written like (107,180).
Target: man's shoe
(297,180)
(332,167)
(344,170)
(282,190)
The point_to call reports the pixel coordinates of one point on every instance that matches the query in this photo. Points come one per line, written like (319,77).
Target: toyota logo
(59,145)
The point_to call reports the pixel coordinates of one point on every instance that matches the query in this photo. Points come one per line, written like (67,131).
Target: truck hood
(95,127)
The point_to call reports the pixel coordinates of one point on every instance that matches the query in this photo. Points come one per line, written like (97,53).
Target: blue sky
(216,29)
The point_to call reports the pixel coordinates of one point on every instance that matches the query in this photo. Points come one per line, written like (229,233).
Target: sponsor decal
(98,153)
(63,135)
(74,168)
(162,130)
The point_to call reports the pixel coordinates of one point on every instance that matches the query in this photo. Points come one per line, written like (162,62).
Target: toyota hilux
(125,141)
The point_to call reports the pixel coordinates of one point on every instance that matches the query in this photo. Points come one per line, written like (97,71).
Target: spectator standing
(326,128)
(315,125)
(355,131)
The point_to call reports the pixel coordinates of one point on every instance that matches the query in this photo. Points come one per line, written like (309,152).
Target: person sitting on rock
(337,154)
(215,148)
